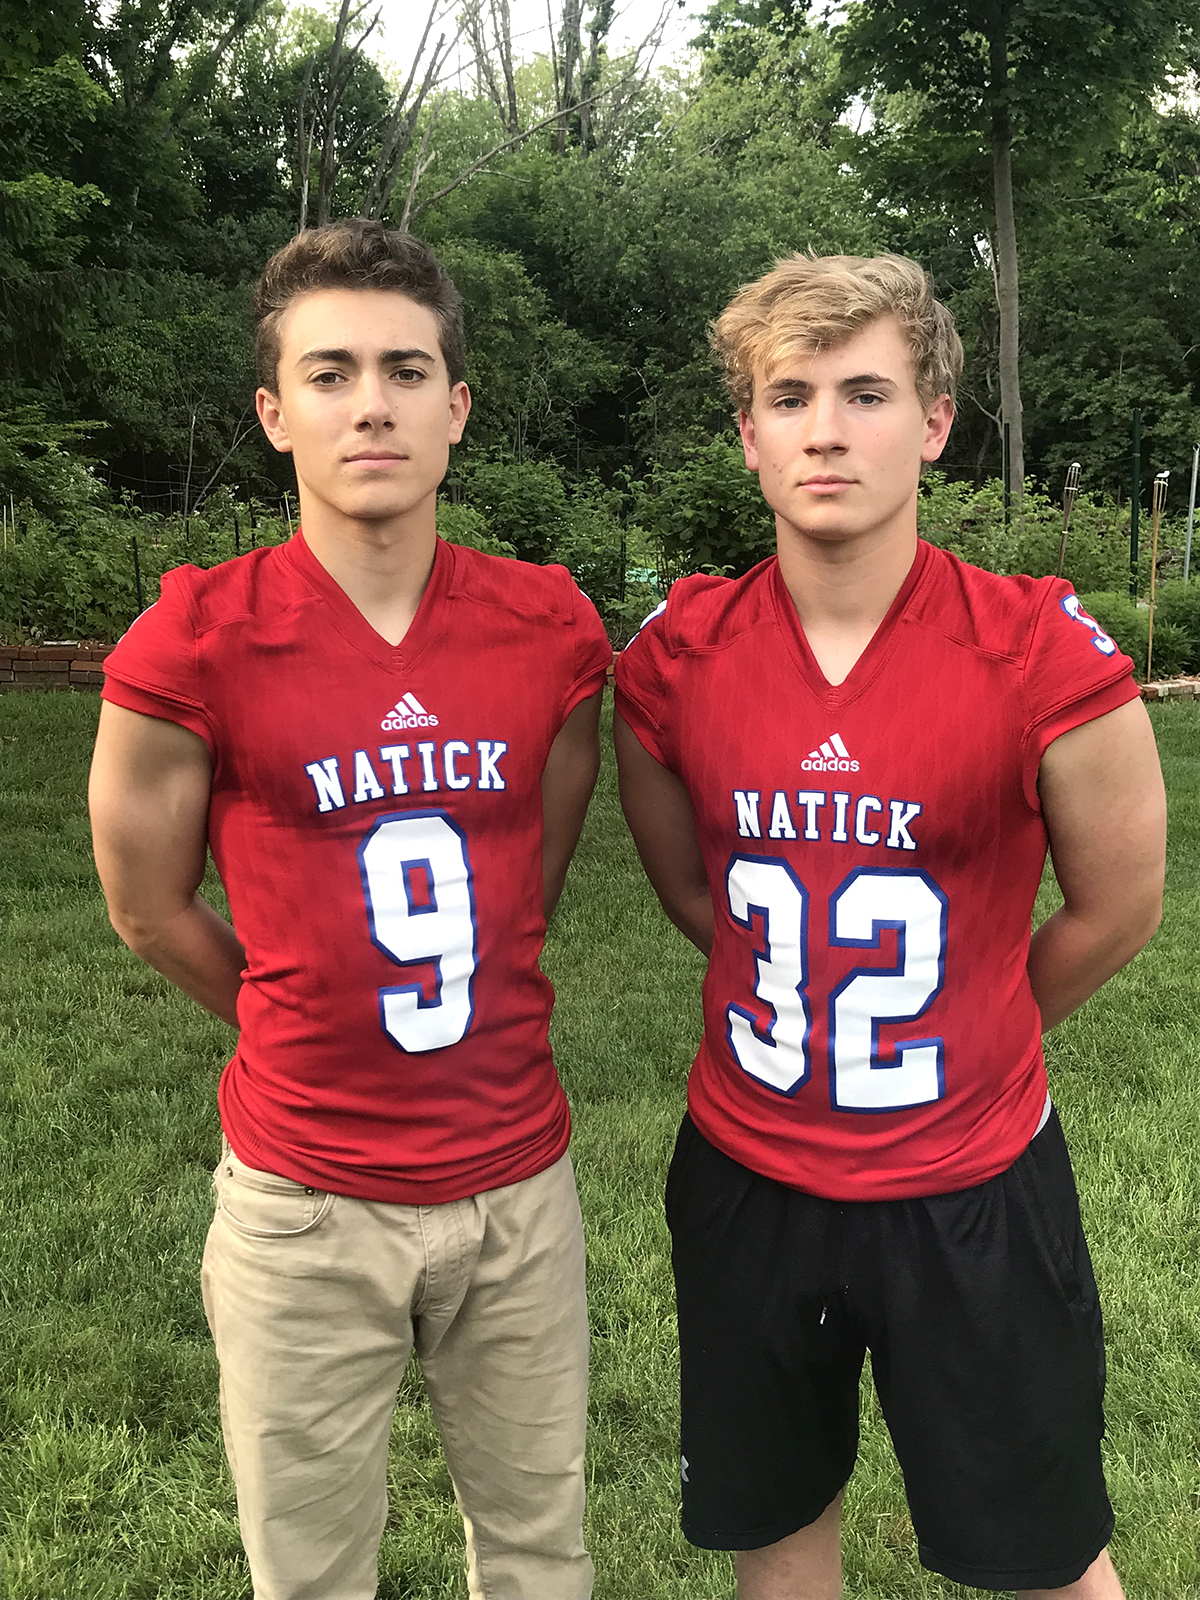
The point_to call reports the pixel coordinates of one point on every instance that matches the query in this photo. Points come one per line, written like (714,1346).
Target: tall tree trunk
(327,170)
(1007,299)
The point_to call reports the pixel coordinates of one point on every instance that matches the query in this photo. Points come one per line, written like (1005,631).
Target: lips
(826,486)
(377,455)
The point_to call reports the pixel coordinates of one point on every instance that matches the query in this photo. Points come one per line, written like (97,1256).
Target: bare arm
(148,797)
(568,779)
(659,813)
(1105,810)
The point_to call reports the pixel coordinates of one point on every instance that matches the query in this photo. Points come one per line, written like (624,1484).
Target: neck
(842,590)
(382,564)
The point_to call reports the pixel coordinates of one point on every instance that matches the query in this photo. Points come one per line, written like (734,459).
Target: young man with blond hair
(388,743)
(842,772)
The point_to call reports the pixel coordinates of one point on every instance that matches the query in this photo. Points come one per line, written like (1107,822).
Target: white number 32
(776,1051)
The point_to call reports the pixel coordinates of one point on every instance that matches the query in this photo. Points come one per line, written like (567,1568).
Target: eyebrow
(387,358)
(874,380)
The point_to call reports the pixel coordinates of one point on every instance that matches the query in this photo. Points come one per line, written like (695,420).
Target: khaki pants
(315,1302)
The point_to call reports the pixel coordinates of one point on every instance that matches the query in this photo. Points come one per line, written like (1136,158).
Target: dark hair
(355,254)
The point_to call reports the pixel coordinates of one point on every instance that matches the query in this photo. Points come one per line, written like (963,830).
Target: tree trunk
(327,170)
(1007,299)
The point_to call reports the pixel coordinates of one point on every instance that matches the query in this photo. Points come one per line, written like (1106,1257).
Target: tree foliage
(597,215)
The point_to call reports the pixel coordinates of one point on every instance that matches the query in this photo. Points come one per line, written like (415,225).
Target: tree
(1038,75)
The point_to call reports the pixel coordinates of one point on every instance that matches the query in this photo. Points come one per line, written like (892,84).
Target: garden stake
(137,574)
(1187,554)
(1135,499)
(237,534)
(1070,490)
(1156,510)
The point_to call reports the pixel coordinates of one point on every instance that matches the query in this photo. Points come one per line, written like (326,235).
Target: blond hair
(810,303)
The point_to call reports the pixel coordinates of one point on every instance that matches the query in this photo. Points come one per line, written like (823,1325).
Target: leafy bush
(80,579)
(970,522)
(599,550)
(1178,606)
(462,524)
(1129,625)
(523,503)
(706,512)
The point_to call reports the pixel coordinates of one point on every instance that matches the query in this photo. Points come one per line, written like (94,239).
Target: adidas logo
(408,712)
(830,756)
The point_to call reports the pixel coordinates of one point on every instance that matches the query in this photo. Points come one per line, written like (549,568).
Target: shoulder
(212,596)
(703,612)
(985,611)
(547,594)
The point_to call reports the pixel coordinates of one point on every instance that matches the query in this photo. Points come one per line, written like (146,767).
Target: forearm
(195,949)
(1072,956)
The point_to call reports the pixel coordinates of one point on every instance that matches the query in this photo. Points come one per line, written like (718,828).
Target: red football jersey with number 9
(873,850)
(376,819)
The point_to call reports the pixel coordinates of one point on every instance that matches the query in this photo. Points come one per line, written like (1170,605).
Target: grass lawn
(112,1482)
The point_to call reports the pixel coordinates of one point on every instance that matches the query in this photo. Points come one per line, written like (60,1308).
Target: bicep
(659,812)
(148,795)
(1104,806)
(569,775)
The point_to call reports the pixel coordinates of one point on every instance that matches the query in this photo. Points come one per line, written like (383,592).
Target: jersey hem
(1062,718)
(476,1177)
(647,730)
(913,1189)
(150,701)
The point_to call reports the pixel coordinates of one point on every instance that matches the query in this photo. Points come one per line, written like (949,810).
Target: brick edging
(52,666)
(1172,689)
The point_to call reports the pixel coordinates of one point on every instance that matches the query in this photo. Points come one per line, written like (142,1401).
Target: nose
(372,404)
(825,431)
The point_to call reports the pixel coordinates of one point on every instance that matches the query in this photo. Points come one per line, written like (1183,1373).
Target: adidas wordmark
(408,712)
(829,756)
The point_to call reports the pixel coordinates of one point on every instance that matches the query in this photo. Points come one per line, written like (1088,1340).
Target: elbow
(1151,922)
(140,932)
(132,930)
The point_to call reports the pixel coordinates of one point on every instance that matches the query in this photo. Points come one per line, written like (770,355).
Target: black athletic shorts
(980,1312)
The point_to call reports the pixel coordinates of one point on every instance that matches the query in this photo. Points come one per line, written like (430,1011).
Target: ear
(749,439)
(938,421)
(271,417)
(460,409)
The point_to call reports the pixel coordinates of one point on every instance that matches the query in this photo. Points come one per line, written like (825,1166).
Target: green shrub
(462,524)
(523,503)
(599,550)
(1177,605)
(706,512)
(1129,625)
(970,522)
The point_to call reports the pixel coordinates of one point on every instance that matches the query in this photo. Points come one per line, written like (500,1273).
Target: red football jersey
(376,819)
(873,851)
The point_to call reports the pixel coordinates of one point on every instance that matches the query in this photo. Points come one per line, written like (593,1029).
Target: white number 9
(419,889)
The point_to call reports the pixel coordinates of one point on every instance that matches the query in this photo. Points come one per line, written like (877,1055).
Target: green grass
(112,1482)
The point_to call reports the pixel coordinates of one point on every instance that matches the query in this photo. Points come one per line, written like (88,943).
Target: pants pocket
(263,1205)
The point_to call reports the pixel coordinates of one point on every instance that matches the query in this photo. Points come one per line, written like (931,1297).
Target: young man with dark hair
(388,743)
(842,771)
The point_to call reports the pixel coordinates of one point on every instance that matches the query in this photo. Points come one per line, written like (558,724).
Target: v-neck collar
(864,671)
(354,627)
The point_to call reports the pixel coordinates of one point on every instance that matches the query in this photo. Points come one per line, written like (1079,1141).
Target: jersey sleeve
(1074,673)
(593,653)
(642,674)
(155,667)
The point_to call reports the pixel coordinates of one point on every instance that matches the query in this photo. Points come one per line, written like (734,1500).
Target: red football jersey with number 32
(873,850)
(376,819)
